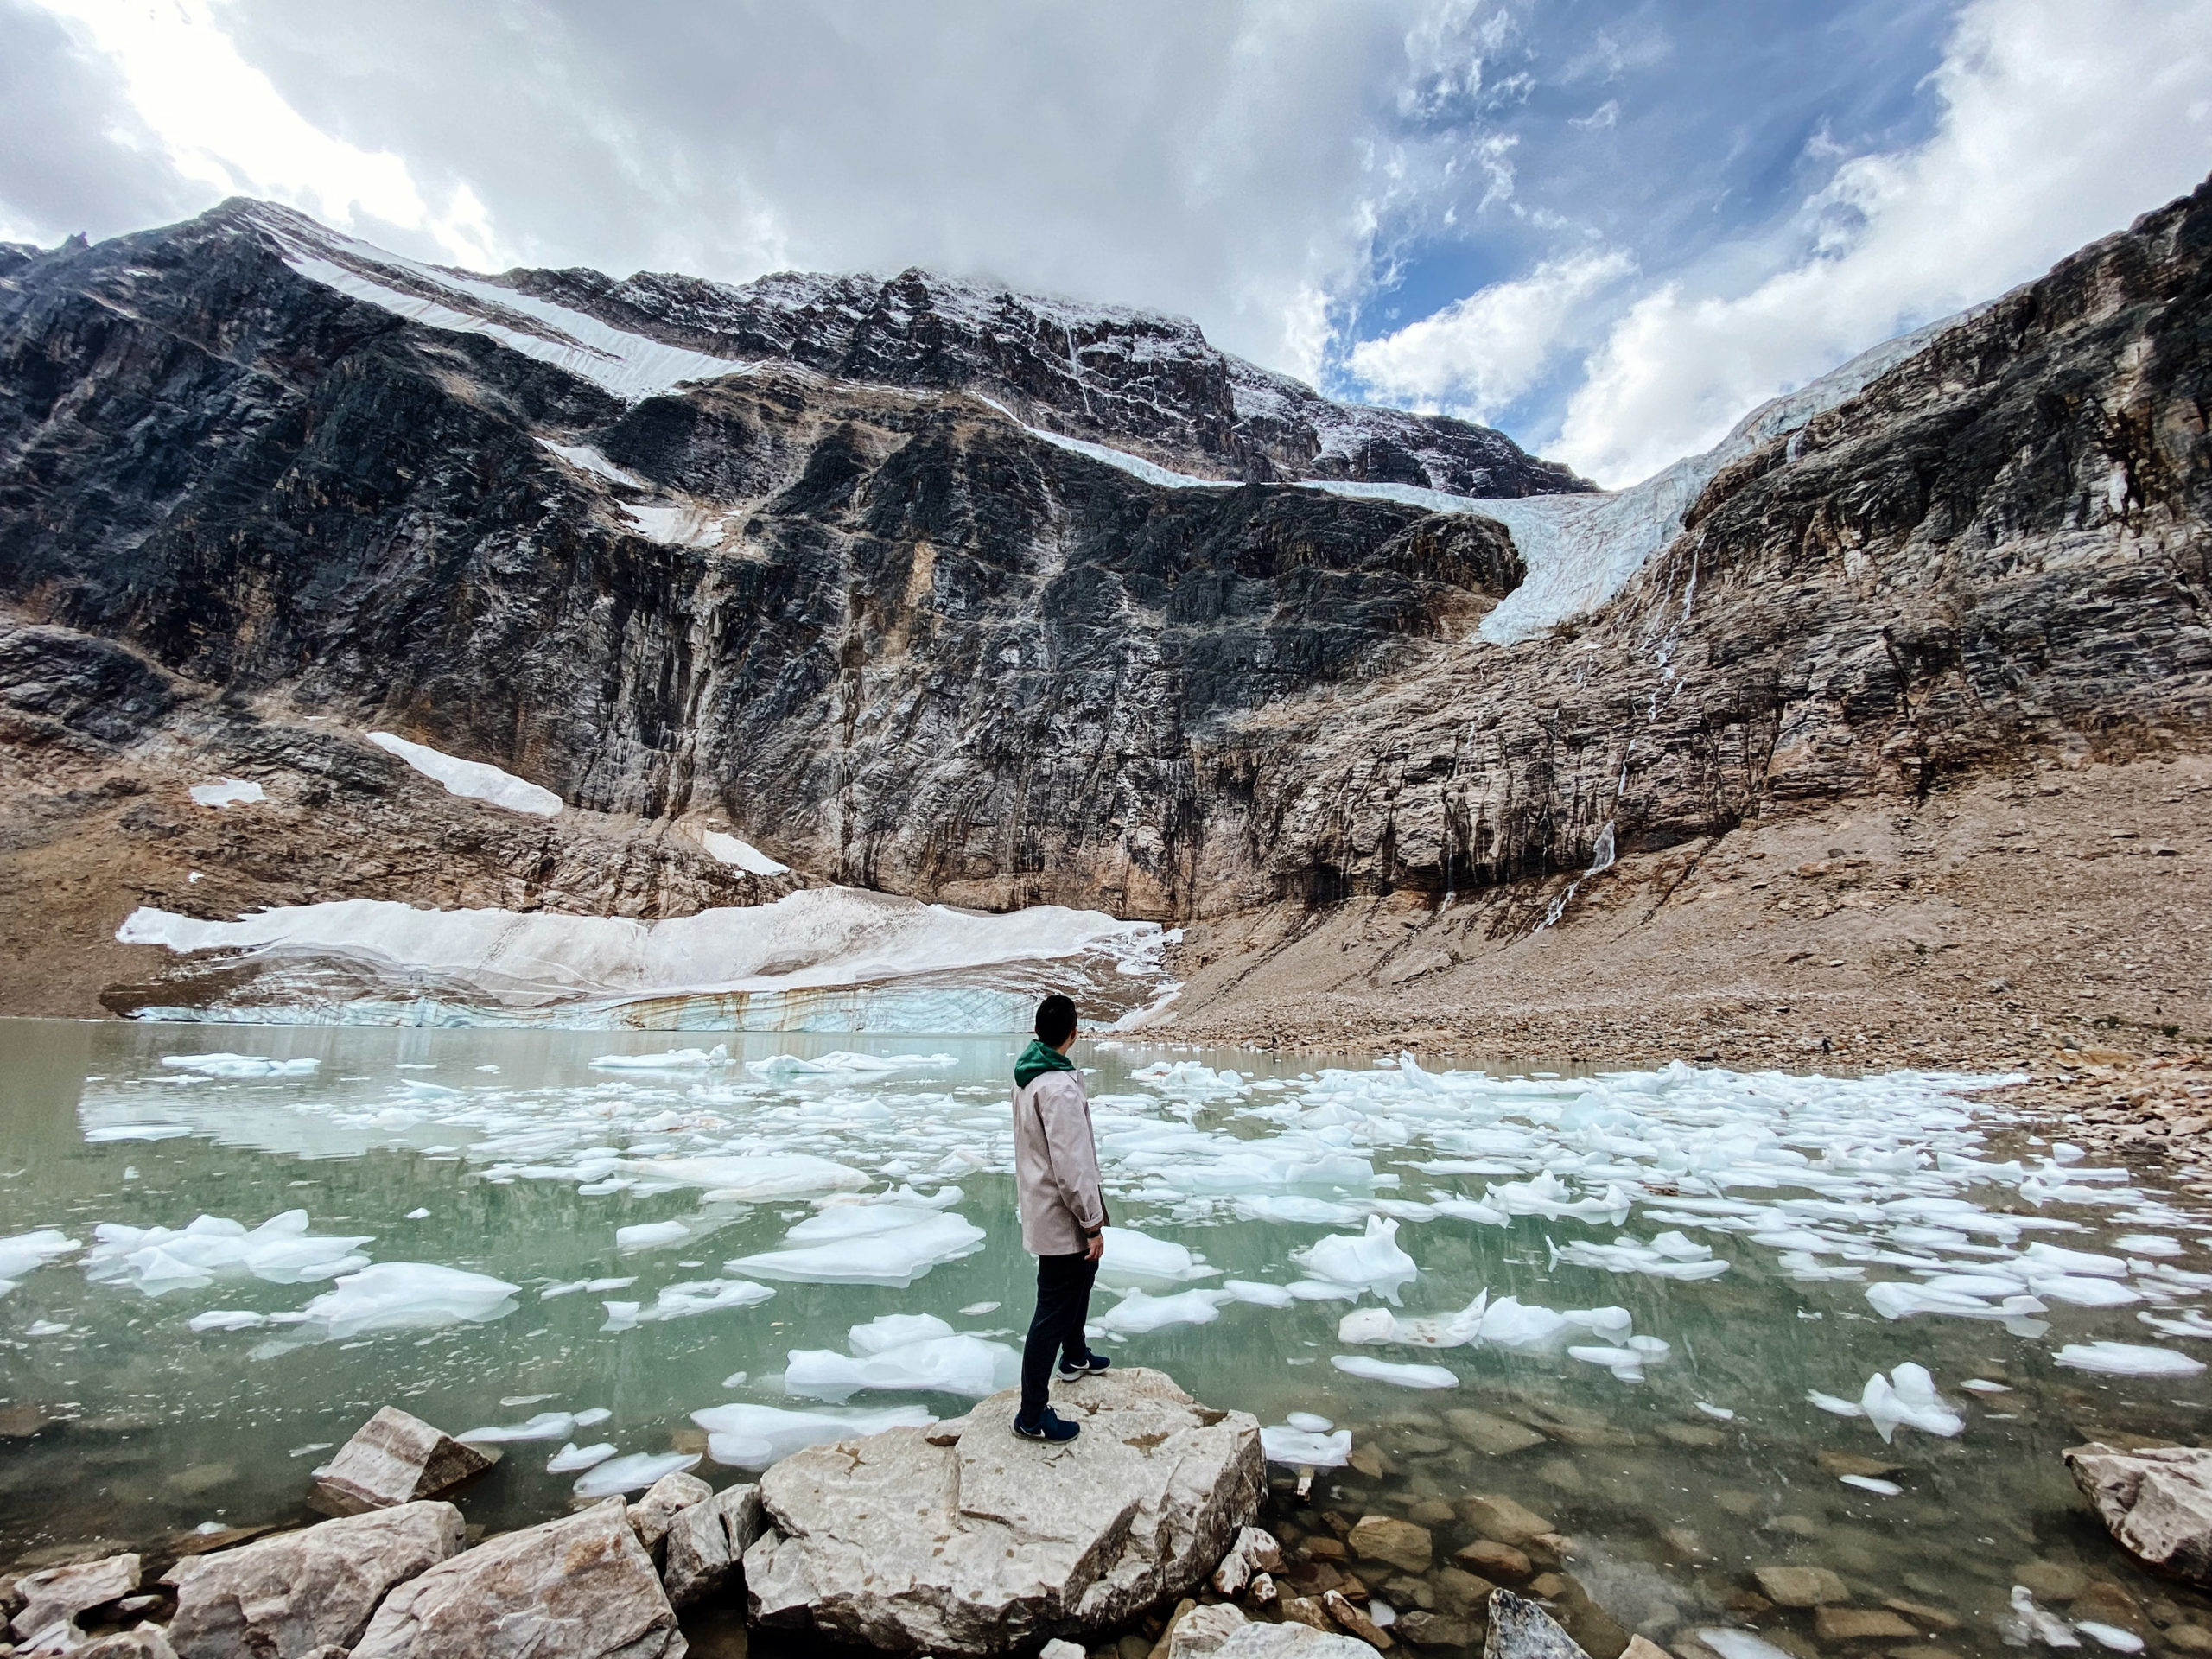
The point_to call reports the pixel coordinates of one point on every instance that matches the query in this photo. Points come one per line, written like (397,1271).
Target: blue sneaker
(1050,1427)
(1091,1367)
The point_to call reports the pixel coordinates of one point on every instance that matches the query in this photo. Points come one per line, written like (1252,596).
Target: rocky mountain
(957,594)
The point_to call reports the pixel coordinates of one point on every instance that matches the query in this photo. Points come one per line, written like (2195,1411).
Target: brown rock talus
(707,1544)
(395,1457)
(287,1595)
(57,1594)
(578,1588)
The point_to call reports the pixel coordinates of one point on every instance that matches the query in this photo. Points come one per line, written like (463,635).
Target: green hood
(1036,1060)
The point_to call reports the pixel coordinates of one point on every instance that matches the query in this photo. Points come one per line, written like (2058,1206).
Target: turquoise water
(123,1423)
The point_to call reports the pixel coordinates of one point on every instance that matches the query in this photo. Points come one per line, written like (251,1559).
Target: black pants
(1063,1304)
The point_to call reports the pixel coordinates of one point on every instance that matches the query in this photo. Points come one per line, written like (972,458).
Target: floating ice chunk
(841,1063)
(241,1065)
(158,1260)
(1368,1325)
(228,791)
(474,780)
(418,1215)
(1904,1399)
(46,1328)
(675,1059)
(1247,1290)
(546,1426)
(107,1133)
(1895,1299)
(1625,1363)
(753,1436)
(1670,1255)
(976,1310)
(26,1252)
(572,1457)
(1548,1195)
(1136,1259)
(2147,1244)
(750,1177)
(592,1286)
(1307,1448)
(865,1244)
(1472,1209)
(650,1234)
(2082,1291)
(682,1301)
(1370,1261)
(1810,1270)
(1719,1412)
(595,1414)
(1872,1483)
(2190,1324)
(226,1319)
(1739,1645)
(1320,1290)
(409,1296)
(1834,1405)
(2040,1258)
(1308,1422)
(1404,1376)
(1294,1209)
(2109,1635)
(2127,1359)
(903,1351)
(633,1473)
(1139,1312)
(2029,1623)
(1983,1385)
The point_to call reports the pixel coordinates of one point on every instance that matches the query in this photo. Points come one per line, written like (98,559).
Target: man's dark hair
(1055,1021)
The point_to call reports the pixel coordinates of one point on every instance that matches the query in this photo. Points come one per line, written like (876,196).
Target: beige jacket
(1055,1165)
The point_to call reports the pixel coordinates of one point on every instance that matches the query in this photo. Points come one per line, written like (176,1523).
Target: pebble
(1858,1624)
(1801,1586)
(1492,1560)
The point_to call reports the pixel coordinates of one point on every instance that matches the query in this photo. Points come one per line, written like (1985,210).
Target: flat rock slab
(1800,1587)
(287,1595)
(57,1594)
(2156,1502)
(993,1543)
(395,1458)
(579,1588)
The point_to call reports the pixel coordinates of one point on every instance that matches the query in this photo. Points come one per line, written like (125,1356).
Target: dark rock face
(901,641)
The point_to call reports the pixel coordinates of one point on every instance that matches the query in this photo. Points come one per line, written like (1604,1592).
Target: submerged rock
(987,1546)
(59,1594)
(1800,1587)
(707,1544)
(2157,1502)
(578,1588)
(287,1595)
(1521,1630)
(1392,1542)
(395,1457)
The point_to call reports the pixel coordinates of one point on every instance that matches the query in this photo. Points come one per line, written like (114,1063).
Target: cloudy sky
(1608,227)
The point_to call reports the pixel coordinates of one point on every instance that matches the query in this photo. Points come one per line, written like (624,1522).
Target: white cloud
(2059,123)
(1478,354)
(221,124)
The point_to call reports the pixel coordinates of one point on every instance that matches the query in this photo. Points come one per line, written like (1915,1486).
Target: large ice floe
(584,970)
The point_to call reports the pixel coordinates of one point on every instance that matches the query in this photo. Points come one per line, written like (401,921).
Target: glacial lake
(1631,1285)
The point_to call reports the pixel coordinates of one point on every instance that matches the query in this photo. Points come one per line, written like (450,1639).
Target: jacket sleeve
(1074,1157)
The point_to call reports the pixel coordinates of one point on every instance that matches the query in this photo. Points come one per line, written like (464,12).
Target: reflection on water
(502,1159)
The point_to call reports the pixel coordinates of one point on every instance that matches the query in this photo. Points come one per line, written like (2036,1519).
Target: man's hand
(1095,1247)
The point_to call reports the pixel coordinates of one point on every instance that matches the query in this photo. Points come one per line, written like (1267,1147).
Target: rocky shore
(1159,1534)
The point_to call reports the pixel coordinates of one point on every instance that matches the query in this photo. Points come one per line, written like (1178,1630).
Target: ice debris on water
(1906,1398)
(1139,1311)
(240,1066)
(1627,1361)
(903,1352)
(1872,1483)
(2190,1322)
(1136,1259)
(676,1059)
(976,1310)
(1404,1376)
(546,1426)
(159,1260)
(1371,1261)
(1308,1422)
(683,1301)
(1722,1413)
(633,1473)
(650,1235)
(1313,1448)
(1669,1255)
(2029,1623)
(572,1457)
(26,1252)
(590,1286)
(751,1437)
(891,1241)
(2127,1359)
(406,1296)
(2109,1635)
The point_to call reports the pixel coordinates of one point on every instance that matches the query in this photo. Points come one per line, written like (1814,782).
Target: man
(1063,1217)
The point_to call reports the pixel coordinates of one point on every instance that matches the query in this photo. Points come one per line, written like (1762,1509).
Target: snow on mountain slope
(629,366)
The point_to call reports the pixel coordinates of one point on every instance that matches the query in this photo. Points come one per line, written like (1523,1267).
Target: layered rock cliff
(888,577)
